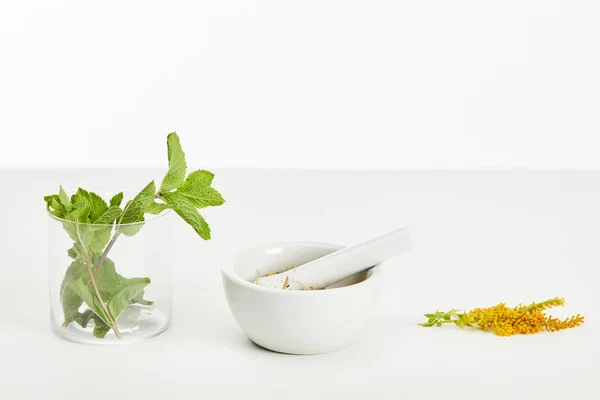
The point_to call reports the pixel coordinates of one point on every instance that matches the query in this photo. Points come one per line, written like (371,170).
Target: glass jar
(110,283)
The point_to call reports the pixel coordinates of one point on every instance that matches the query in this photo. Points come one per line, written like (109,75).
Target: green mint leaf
(156,208)
(70,298)
(80,201)
(100,327)
(86,235)
(116,199)
(197,191)
(177,165)
(124,294)
(58,204)
(75,252)
(198,196)
(97,205)
(108,280)
(109,216)
(140,300)
(134,209)
(79,214)
(54,206)
(131,230)
(83,318)
(199,178)
(64,198)
(80,210)
(87,294)
(99,237)
(75,289)
(93,237)
(190,215)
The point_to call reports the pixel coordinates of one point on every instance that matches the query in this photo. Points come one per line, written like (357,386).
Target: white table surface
(481,237)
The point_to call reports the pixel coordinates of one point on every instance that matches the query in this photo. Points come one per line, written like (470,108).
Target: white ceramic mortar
(298,321)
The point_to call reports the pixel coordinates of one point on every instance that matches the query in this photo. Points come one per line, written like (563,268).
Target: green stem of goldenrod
(443,321)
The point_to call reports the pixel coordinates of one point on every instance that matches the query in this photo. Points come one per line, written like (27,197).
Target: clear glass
(130,295)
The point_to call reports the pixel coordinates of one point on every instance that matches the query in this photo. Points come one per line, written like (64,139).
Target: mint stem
(103,257)
(97,269)
(111,321)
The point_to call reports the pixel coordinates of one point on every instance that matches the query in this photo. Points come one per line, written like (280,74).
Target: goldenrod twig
(506,321)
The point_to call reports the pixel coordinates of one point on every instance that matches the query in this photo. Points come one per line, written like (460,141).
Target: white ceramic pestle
(343,263)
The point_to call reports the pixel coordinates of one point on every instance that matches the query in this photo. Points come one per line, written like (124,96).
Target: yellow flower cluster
(506,321)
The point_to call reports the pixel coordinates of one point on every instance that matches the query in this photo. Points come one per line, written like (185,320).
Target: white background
(320,84)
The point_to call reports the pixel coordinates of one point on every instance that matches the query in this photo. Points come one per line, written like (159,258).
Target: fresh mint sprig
(95,225)
(186,195)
